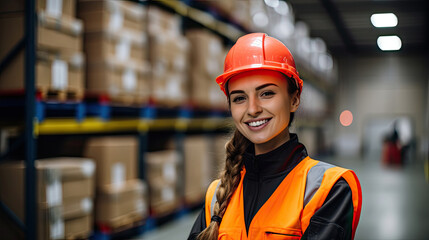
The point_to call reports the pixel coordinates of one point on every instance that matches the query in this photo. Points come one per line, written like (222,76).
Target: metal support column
(30,171)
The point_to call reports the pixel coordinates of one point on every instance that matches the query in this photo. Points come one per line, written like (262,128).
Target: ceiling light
(384,20)
(389,43)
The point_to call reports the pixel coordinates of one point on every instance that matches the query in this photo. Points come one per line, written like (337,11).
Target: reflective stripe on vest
(314,179)
(310,179)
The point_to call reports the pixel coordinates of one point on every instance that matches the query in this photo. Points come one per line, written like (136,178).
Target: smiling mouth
(258,123)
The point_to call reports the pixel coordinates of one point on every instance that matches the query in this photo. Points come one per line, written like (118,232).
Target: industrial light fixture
(384,20)
(389,43)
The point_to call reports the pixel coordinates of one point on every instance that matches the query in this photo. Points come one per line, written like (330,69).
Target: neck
(272,144)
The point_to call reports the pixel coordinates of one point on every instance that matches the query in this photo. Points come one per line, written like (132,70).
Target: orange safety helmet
(258,51)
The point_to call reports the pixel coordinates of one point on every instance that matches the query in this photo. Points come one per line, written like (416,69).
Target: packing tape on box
(118,174)
(54,7)
(54,190)
(56,223)
(59,74)
(64,24)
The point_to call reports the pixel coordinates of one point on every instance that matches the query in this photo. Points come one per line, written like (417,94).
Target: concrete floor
(395,203)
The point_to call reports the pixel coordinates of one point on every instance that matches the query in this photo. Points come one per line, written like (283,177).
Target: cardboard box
(113,203)
(61,37)
(103,45)
(161,22)
(53,72)
(172,52)
(116,16)
(170,89)
(197,168)
(59,33)
(115,158)
(169,58)
(58,179)
(162,165)
(207,55)
(65,191)
(164,181)
(164,197)
(126,82)
(58,7)
(53,223)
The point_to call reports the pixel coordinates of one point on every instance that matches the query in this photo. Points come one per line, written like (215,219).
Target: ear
(295,101)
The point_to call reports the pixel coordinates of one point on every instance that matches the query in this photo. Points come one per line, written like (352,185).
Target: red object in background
(391,154)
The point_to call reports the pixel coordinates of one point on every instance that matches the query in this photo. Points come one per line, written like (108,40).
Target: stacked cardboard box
(121,197)
(116,45)
(65,192)
(169,58)
(164,181)
(206,59)
(197,168)
(60,61)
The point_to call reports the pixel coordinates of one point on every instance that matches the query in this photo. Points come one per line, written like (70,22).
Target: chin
(259,139)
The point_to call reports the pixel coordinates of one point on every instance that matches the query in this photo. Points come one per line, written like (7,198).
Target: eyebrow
(257,88)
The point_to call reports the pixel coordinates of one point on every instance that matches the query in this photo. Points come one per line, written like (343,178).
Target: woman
(270,188)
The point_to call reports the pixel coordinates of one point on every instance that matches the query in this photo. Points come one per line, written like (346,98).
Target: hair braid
(230,178)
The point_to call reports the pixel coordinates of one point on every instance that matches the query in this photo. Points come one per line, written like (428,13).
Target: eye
(238,99)
(267,94)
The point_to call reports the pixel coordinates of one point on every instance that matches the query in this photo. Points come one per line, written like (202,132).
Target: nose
(254,107)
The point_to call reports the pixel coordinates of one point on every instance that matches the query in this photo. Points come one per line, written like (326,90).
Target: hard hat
(258,51)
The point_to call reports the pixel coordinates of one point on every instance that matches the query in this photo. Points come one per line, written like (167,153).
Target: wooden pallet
(123,223)
(72,95)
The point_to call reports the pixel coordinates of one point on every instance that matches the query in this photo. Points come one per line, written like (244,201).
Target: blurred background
(112,126)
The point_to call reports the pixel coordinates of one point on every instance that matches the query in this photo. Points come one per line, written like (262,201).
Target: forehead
(252,79)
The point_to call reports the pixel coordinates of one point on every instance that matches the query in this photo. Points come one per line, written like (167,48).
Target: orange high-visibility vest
(287,213)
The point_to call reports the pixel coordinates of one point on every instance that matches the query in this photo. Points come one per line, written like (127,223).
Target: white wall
(386,86)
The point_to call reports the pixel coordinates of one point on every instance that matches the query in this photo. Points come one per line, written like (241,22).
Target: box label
(118,174)
(59,74)
(169,172)
(54,8)
(129,80)
(167,194)
(56,223)
(116,20)
(122,49)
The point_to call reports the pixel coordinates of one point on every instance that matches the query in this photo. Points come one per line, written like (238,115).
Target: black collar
(278,161)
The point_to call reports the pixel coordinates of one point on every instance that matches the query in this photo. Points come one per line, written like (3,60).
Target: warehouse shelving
(29,226)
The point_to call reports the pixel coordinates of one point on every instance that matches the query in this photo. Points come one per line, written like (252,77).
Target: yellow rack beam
(204,19)
(96,125)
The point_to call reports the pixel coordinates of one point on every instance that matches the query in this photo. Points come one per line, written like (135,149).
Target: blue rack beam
(30,171)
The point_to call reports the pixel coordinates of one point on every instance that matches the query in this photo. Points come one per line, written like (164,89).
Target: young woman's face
(261,107)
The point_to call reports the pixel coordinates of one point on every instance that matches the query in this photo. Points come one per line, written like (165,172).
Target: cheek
(237,112)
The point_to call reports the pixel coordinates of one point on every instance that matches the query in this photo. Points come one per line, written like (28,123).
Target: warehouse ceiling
(346,27)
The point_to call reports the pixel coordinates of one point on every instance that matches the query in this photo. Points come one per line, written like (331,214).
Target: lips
(257,124)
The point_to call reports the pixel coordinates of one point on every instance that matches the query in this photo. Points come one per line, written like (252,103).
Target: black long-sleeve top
(265,172)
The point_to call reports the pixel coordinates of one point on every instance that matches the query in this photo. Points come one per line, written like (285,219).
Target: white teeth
(257,123)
